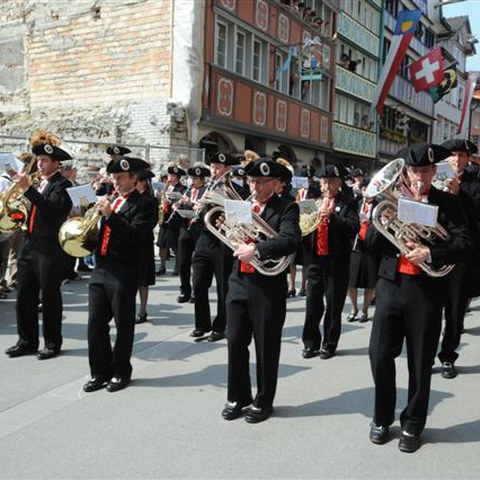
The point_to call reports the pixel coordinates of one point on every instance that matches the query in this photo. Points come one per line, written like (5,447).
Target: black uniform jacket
(456,248)
(283,216)
(52,206)
(130,227)
(343,225)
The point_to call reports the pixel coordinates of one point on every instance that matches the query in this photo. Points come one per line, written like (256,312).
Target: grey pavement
(167,423)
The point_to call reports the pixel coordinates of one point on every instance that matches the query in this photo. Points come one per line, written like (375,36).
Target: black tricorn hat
(176,170)
(357,172)
(223,158)
(199,170)
(424,154)
(127,164)
(459,145)
(265,167)
(118,150)
(54,152)
(238,171)
(330,171)
(145,174)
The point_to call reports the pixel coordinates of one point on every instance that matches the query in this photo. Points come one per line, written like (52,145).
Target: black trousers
(326,277)
(456,301)
(186,246)
(40,268)
(111,294)
(211,257)
(408,308)
(256,306)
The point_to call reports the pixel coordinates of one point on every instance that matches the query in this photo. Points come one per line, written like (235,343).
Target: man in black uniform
(329,271)
(463,282)
(409,303)
(256,303)
(114,282)
(212,257)
(41,260)
(190,229)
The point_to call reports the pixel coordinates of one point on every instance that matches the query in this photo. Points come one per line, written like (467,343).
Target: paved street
(167,423)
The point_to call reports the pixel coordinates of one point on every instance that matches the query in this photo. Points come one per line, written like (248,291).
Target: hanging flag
(427,71)
(292,52)
(406,25)
(469,89)
(448,83)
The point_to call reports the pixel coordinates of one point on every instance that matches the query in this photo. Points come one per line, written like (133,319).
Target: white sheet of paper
(444,170)
(9,159)
(307,206)
(299,182)
(173,196)
(82,195)
(411,211)
(237,211)
(186,213)
(160,186)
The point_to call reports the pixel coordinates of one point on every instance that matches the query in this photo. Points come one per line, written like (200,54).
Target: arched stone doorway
(214,142)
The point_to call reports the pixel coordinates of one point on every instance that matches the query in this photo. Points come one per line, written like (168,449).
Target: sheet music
(83,195)
(299,182)
(173,196)
(159,186)
(184,213)
(411,211)
(444,171)
(238,211)
(10,160)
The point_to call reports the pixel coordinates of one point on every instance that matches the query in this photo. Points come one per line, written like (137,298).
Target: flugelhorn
(391,184)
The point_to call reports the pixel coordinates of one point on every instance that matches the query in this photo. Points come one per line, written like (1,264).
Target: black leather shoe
(379,434)
(409,443)
(197,333)
(161,271)
(141,319)
(326,353)
(233,410)
(47,353)
(291,293)
(310,352)
(257,415)
(117,383)
(192,299)
(449,370)
(215,336)
(96,383)
(20,350)
(183,298)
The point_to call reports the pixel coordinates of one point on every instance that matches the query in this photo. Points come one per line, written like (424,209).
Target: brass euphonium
(78,235)
(234,234)
(390,183)
(310,218)
(13,205)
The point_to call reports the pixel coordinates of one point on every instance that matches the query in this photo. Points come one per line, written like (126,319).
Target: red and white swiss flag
(427,71)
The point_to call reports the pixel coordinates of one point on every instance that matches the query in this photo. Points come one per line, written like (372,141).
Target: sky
(472,9)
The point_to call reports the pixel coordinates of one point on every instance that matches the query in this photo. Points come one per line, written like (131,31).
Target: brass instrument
(234,234)
(391,184)
(13,205)
(310,218)
(249,156)
(78,235)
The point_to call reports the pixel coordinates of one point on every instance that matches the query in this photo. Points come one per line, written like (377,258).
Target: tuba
(309,218)
(391,184)
(13,205)
(234,234)
(78,235)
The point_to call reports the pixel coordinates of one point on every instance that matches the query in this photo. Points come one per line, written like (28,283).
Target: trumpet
(78,235)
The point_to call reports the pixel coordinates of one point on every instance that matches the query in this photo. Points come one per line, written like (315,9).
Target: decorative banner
(469,89)
(427,71)
(448,83)
(406,24)
(314,59)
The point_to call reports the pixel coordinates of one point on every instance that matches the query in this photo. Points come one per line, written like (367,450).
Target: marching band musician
(190,230)
(463,282)
(146,264)
(328,273)
(169,230)
(125,226)
(40,262)
(212,257)
(256,303)
(408,303)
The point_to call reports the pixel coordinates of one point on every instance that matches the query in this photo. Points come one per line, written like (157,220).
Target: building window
(240,53)
(281,77)
(221,45)
(257,61)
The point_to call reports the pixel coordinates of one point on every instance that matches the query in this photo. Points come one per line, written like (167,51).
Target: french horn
(390,183)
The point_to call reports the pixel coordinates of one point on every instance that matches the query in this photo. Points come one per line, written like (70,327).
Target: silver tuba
(391,184)
(233,234)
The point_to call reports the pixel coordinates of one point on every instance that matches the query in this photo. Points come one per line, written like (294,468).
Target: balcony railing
(415,44)
(358,34)
(353,140)
(353,84)
(403,90)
